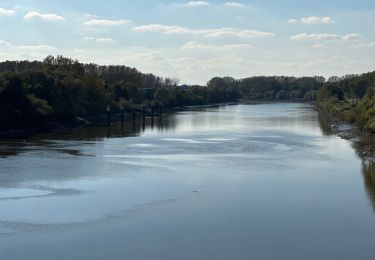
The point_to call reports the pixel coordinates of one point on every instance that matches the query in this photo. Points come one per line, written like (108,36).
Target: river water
(265,181)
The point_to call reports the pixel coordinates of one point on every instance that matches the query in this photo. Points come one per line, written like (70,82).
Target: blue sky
(196,40)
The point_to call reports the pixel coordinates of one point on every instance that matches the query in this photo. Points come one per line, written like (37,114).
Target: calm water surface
(258,182)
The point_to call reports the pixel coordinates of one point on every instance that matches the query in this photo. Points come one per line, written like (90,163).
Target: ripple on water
(19,193)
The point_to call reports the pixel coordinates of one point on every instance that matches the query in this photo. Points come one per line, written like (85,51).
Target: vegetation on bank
(60,89)
(351,98)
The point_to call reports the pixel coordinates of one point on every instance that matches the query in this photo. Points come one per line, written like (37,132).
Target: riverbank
(362,139)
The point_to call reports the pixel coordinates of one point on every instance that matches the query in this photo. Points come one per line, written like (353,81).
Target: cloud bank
(312,20)
(41,16)
(220,32)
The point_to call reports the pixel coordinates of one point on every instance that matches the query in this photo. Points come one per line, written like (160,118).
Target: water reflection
(325,125)
(14,147)
(368,171)
(73,142)
(368,166)
(53,141)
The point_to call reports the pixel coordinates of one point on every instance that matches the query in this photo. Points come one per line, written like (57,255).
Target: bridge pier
(160,111)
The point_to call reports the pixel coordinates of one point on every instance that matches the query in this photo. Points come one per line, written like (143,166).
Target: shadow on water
(325,125)
(14,147)
(368,171)
(368,166)
(69,140)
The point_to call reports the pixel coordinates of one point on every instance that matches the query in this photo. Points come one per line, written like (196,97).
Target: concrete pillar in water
(152,112)
(108,113)
(108,123)
(143,118)
(160,110)
(143,124)
(152,117)
(122,114)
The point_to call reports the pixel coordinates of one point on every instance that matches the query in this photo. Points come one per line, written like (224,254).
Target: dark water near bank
(263,182)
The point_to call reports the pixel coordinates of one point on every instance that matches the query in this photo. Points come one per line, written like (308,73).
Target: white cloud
(234,4)
(36,48)
(27,47)
(200,60)
(98,22)
(365,45)
(6,11)
(193,4)
(317,20)
(101,40)
(9,51)
(196,4)
(224,32)
(352,37)
(46,17)
(220,32)
(105,40)
(206,47)
(5,43)
(313,20)
(167,29)
(89,38)
(326,36)
(318,46)
(89,16)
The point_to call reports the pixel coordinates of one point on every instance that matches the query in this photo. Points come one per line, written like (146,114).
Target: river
(260,182)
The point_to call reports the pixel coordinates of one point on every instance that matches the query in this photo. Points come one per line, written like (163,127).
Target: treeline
(61,89)
(276,88)
(352,98)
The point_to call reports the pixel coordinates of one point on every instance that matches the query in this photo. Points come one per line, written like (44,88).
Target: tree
(165,96)
(282,94)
